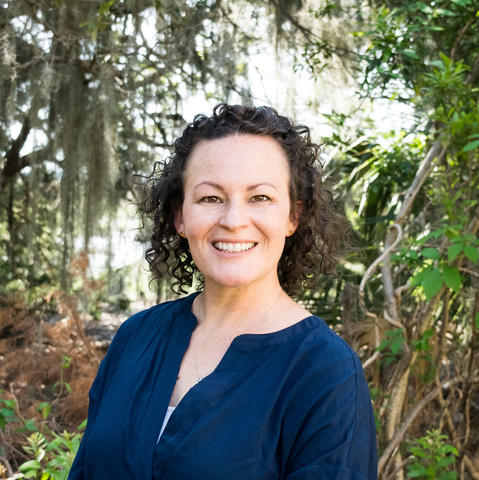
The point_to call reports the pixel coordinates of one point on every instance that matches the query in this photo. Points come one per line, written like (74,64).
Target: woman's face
(236,209)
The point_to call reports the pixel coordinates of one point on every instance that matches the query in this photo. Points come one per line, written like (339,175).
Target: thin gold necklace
(199,376)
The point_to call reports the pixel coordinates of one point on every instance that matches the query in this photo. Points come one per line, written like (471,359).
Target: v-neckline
(190,411)
(199,398)
(191,323)
(244,341)
(241,343)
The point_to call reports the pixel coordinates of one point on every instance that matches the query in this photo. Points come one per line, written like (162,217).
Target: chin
(233,281)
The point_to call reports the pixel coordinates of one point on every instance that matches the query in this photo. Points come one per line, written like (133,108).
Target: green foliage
(433,458)
(423,345)
(7,411)
(374,173)
(444,85)
(61,384)
(471,145)
(50,454)
(51,458)
(423,54)
(410,46)
(122,303)
(45,408)
(392,344)
(434,268)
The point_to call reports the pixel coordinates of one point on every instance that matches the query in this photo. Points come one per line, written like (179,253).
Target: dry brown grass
(32,353)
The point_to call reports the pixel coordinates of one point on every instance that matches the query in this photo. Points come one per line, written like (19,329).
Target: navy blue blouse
(291,404)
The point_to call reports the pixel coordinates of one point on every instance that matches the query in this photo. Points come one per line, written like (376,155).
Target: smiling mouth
(233,247)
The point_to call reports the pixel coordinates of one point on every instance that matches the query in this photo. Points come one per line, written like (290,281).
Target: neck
(238,309)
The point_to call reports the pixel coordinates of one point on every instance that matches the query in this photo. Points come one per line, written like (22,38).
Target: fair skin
(236,215)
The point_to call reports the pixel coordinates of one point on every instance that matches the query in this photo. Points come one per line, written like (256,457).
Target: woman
(237,381)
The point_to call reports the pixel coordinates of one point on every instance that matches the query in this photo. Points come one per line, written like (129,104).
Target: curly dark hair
(314,246)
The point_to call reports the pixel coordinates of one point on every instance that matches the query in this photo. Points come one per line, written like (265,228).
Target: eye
(260,198)
(210,199)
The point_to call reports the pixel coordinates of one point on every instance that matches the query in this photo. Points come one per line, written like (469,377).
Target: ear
(178,222)
(295,216)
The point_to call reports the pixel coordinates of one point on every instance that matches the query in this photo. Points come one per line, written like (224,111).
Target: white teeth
(233,247)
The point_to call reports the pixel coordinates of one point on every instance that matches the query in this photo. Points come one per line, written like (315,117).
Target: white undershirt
(165,421)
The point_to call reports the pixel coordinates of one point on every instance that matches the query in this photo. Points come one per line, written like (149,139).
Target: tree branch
(470,466)
(472,77)
(461,35)
(396,440)
(421,175)
(8,467)
(14,162)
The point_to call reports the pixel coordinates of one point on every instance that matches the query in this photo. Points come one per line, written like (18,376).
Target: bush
(432,457)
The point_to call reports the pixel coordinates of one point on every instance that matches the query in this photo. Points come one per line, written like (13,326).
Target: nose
(234,216)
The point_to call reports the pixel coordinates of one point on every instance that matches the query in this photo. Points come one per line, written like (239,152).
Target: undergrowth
(47,366)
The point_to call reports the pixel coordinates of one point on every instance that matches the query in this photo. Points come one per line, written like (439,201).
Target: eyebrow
(219,187)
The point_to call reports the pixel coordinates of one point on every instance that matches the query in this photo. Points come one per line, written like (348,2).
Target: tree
(413,198)
(90,92)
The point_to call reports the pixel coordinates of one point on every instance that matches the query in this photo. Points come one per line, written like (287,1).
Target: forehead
(238,158)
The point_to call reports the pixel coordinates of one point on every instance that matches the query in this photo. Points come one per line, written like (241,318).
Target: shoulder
(150,320)
(324,350)
(325,368)
(136,331)
(329,412)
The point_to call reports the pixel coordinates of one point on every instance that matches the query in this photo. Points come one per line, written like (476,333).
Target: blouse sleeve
(107,368)
(335,435)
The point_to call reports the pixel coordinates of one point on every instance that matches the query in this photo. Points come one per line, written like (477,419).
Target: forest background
(93,92)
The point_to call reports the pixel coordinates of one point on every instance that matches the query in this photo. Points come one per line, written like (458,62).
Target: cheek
(199,221)
(276,227)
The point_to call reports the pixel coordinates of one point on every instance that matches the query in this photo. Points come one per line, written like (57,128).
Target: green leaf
(453,251)
(383,345)
(416,471)
(7,412)
(41,454)
(451,277)
(30,465)
(432,253)
(41,406)
(396,345)
(472,253)
(411,54)
(45,408)
(443,11)
(447,476)
(450,449)
(431,282)
(424,8)
(453,231)
(417,278)
(470,146)
(30,425)
(477,320)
